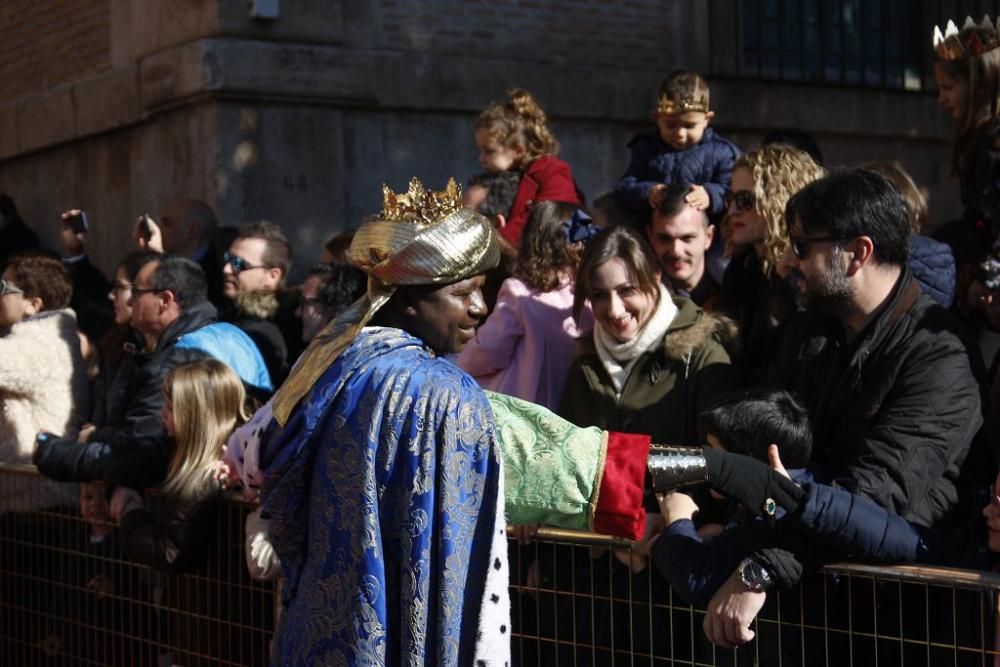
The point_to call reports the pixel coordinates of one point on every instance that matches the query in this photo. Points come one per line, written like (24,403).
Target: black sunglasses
(800,244)
(240,264)
(745,200)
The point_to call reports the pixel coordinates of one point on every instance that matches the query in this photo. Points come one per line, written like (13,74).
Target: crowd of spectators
(738,299)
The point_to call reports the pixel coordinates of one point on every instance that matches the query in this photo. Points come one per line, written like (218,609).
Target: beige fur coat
(43,387)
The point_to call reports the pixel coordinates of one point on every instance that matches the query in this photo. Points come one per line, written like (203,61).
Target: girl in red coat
(514,137)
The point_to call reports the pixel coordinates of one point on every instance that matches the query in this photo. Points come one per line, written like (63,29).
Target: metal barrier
(68,597)
(575,603)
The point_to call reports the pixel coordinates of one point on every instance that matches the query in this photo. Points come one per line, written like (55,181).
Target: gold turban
(420,238)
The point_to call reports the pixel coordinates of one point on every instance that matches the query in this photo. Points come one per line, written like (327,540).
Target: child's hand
(474,196)
(676,506)
(698,198)
(526,533)
(123,501)
(656,194)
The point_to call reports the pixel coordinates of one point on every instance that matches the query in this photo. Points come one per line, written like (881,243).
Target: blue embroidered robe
(382,491)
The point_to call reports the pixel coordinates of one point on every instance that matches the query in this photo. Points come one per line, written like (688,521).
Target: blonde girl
(205,402)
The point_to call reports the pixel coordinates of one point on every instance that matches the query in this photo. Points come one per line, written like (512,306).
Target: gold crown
(420,205)
(683,105)
(971,41)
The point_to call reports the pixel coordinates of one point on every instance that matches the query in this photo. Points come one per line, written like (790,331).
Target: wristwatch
(754,576)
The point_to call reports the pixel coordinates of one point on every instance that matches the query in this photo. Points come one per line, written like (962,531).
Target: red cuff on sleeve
(619,505)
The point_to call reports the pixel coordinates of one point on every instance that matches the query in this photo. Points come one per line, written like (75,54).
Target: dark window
(871,43)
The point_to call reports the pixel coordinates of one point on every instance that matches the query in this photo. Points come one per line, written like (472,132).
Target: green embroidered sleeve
(552,467)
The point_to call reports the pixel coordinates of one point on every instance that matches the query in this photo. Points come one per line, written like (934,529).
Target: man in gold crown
(382,473)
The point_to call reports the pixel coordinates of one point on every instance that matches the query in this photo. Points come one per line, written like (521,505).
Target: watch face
(753,575)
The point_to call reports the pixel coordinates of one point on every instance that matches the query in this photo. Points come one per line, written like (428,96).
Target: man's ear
(167,297)
(709,235)
(276,274)
(709,115)
(863,249)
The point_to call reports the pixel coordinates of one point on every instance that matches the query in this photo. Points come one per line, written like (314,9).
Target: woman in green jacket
(653,362)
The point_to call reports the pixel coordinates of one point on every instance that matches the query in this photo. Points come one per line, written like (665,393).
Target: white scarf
(618,358)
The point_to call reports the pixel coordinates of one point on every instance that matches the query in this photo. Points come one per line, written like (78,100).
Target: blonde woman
(753,292)
(205,402)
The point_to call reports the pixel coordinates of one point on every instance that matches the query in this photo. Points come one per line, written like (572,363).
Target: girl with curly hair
(525,347)
(753,293)
(516,147)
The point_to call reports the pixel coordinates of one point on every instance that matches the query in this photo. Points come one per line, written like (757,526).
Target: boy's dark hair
(279,251)
(749,420)
(340,285)
(849,203)
(685,85)
(183,277)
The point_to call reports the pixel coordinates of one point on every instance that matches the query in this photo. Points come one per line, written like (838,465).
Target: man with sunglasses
(887,375)
(254,271)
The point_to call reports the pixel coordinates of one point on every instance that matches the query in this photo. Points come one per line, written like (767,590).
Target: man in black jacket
(889,380)
(178,324)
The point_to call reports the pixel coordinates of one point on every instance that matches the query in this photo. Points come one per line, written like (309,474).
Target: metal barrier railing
(68,597)
(575,603)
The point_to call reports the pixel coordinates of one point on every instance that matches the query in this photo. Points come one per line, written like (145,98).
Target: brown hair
(685,85)
(627,245)
(981,75)
(778,172)
(916,203)
(545,251)
(43,276)
(278,252)
(520,125)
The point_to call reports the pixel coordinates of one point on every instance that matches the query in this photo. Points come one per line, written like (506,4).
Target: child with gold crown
(683,150)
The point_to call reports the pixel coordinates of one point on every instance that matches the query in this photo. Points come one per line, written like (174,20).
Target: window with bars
(870,43)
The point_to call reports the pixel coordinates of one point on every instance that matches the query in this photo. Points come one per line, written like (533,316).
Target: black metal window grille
(882,44)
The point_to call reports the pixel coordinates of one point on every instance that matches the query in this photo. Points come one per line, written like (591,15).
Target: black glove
(752,482)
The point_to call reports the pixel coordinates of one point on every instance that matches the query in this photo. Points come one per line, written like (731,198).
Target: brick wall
(599,32)
(47,42)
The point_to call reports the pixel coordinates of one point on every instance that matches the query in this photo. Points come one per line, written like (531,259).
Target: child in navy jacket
(683,150)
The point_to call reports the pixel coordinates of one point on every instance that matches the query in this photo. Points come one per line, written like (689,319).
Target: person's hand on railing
(731,611)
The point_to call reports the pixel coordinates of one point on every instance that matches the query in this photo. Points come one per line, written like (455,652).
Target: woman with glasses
(753,293)
(43,377)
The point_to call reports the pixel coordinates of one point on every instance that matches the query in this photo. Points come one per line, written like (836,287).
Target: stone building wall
(300,119)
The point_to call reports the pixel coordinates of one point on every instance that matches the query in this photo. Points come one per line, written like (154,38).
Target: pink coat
(527,344)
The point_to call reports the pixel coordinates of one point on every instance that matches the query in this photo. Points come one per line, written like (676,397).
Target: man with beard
(680,236)
(884,371)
